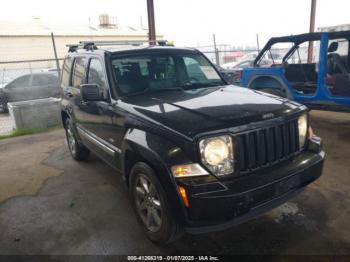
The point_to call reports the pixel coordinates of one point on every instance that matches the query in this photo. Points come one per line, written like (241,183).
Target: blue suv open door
(323,83)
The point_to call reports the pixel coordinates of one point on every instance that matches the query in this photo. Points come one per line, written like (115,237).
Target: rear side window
(67,65)
(79,72)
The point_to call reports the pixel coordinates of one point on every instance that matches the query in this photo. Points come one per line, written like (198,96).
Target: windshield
(165,72)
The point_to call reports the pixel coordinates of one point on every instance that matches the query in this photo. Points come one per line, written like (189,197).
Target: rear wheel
(79,152)
(151,205)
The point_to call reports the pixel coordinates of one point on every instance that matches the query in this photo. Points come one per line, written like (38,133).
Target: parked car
(238,64)
(232,72)
(197,155)
(29,87)
(323,83)
(229,75)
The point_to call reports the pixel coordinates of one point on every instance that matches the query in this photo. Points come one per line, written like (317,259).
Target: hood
(195,111)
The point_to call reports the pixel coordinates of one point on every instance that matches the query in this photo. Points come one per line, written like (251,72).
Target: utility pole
(257,42)
(217,59)
(151,23)
(55,53)
(312,29)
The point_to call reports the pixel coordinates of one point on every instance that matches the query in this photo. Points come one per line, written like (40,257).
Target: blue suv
(318,79)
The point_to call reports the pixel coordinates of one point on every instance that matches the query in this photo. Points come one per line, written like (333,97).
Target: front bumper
(223,204)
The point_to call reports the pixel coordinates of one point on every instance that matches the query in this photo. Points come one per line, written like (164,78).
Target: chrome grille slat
(265,146)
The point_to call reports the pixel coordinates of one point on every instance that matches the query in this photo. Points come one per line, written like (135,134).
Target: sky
(191,22)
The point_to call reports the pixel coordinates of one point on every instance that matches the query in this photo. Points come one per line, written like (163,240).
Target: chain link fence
(222,56)
(29,67)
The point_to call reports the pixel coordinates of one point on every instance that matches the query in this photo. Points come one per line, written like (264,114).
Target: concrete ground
(50,204)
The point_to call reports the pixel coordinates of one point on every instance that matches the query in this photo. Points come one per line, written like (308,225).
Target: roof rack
(92,45)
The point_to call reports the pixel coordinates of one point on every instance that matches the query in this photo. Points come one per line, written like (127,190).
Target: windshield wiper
(189,85)
(147,90)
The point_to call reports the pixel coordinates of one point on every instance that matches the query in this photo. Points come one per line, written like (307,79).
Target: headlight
(302,125)
(217,154)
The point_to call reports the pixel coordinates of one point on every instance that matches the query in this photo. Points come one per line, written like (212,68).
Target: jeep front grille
(266,146)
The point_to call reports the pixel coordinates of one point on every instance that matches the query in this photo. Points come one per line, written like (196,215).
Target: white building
(32,40)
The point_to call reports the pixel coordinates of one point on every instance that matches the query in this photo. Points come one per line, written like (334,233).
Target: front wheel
(151,205)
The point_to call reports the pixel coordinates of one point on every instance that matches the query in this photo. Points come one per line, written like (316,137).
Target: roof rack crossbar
(92,45)
(127,42)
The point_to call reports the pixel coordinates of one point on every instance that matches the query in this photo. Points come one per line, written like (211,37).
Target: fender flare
(154,151)
(270,81)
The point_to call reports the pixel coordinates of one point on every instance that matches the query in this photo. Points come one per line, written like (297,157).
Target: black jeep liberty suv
(197,154)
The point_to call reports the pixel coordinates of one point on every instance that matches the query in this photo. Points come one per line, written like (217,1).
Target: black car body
(179,133)
(30,87)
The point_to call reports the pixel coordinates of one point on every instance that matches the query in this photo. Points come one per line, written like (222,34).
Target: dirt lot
(50,204)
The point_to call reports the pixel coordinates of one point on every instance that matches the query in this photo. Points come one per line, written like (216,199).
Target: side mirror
(91,92)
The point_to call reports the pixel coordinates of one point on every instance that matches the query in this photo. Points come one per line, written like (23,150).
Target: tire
(151,205)
(274,91)
(79,152)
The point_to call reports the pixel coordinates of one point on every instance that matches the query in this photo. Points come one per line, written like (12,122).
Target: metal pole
(312,29)
(257,42)
(151,23)
(217,60)
(56,58)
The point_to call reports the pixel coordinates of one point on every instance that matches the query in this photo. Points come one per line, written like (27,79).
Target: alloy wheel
(71,141)
(148,203)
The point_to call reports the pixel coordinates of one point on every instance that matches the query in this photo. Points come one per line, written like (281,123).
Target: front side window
(96,74)
(78,72)
(139,73)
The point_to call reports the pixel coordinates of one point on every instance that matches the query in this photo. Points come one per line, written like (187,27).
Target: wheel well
(265,82)
(64,116)
(130,159)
